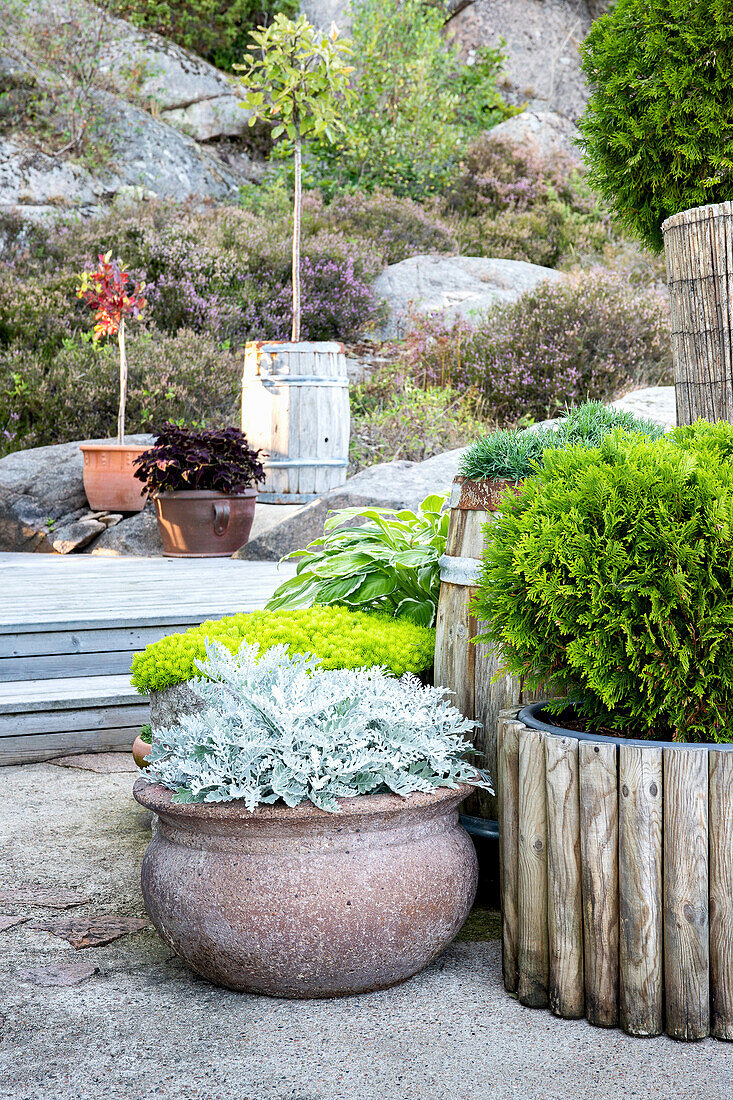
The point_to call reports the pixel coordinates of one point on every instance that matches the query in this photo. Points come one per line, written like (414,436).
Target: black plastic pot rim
(532,714)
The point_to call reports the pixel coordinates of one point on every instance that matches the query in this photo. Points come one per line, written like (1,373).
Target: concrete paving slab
(142,1026)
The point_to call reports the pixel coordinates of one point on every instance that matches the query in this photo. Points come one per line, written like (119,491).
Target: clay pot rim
(204,494)
(156,797)
(115,447)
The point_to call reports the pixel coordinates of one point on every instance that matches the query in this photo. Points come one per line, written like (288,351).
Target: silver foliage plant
(276,726)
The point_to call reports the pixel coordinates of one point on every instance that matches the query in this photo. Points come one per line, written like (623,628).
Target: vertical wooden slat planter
(616,877)
(467,669)
(698,247)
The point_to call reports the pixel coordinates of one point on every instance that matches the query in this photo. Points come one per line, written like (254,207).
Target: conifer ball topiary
(608,580)
(657,132)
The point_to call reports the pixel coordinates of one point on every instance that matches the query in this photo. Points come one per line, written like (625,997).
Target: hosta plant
(338,637)
(389,563)
(277,728)
(515,455)
(115,297)
(608,580)
(215,460)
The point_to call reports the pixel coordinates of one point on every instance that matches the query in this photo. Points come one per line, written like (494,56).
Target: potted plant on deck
(295,402)
(109,480)
(308,842)
(656,136)
(608,582)
(202,484)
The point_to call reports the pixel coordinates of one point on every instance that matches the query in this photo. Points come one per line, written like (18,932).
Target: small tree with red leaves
(114,296)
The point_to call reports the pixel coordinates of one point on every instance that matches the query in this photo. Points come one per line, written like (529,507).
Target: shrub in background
(590,335)
(392,417)
(276,727)
(389,563)
(609,580)
(340,638)
(656,131)
(70,394)
(415,105)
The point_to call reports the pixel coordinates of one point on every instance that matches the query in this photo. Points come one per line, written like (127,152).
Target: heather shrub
(656,130)
(392,417)
(188,378)
(590,335)
(608,580)
(340,638)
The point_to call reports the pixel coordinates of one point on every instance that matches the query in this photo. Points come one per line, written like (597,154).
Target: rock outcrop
(544,132)
(455,285)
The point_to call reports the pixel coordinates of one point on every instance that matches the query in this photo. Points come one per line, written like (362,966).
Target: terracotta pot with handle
(196,523)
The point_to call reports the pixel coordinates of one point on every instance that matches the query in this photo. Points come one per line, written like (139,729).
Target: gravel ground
(142,1026)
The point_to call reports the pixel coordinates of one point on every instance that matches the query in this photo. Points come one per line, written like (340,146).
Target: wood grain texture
(33,748)
(295,407)
(508,799)
(564,891)
(721,893)
(698,246)
(640,890)
(599,855)
(686,929)
(532,938)
(454,654)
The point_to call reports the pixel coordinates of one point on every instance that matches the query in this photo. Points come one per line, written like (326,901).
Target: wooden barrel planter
(468,669)
(295,408)
(698,245)
(617,877)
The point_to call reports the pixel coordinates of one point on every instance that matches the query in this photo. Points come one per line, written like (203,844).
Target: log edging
(617,877)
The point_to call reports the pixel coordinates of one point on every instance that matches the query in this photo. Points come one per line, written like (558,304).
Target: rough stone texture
(76,535)
(42,492)
(449,1033)
(64,974)
(91,931)
(105,763)
(11,922)
(655,403)
(41,184)
(168,705)
(47,896)
(456,285)
(397,484)
(545,132)
(542,39)
(296,902)
(138,535)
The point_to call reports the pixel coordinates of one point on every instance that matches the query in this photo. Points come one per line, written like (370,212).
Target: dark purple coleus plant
(215,460)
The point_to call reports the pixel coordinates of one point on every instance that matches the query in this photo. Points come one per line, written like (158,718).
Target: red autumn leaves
(113,295)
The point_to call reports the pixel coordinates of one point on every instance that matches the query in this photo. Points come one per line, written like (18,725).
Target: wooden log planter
(468,669)
(617,877)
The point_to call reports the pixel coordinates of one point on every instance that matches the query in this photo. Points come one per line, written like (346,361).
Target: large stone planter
(617,877)
(297,902)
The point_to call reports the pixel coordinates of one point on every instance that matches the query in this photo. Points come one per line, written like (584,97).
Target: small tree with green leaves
(297,80)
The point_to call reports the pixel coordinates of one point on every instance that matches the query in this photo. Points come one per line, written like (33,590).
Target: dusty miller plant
(277,727)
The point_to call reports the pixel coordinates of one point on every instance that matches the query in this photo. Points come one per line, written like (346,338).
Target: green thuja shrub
(517,454)
(657,130)
(338,637)
(609,580)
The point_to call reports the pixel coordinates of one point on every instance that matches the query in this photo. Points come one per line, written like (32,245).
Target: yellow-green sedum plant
(338,637)
(389,563)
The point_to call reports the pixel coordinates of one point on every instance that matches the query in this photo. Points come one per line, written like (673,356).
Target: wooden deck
(70,625)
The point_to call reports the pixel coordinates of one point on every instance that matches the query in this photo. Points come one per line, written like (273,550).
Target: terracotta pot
(199,524)
(297,902)
(109,481)
(140,752)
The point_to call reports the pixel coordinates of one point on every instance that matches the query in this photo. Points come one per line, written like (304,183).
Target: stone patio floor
(140,1025)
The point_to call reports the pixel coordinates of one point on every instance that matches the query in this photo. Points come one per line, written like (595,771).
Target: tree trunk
(296,243)
(123,385)
(698,245)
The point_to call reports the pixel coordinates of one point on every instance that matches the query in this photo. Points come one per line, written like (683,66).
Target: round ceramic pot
(297,902)
(109,477)
(196,523)
(140,752)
